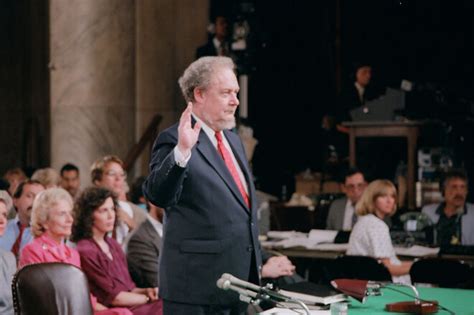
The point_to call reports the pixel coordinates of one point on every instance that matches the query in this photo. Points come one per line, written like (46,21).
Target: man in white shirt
(200,175)
(341,214)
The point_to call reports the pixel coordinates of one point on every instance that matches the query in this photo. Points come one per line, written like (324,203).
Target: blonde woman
(51,225)
(370,236)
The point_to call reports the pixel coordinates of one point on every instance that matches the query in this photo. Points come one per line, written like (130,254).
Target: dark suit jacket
(207,49)
(143,252)
(349,100)
(208,229)
(335,218)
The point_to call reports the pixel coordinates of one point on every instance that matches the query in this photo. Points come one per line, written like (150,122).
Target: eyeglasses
(116,174)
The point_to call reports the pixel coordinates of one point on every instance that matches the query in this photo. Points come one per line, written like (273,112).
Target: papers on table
(323,240)
(294,242)
(322,236)
(416,251)
(312,294)
(285,234)
(316,239)
(332,247)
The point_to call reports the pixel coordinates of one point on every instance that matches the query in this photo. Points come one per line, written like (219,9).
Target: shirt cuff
(180,159)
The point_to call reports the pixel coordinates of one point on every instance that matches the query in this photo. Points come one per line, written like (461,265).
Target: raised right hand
(187,135)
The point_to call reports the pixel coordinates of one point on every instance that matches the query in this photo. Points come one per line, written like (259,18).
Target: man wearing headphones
(453,219)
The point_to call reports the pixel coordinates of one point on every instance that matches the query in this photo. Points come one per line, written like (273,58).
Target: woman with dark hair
(103,259)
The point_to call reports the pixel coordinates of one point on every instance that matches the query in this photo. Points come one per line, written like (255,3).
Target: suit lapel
(152,233)
(241,158)
(210,153)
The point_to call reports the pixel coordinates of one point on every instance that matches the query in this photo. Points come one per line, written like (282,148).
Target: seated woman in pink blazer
(103,259)
(51,224)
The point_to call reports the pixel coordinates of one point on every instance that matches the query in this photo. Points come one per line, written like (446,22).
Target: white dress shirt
(182,161)
(157,225)
(348,214)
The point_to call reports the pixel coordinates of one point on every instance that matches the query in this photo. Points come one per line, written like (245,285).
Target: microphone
(252,293)
(361,289)
(245,295)
(255,288)
(241,283)
(234,281)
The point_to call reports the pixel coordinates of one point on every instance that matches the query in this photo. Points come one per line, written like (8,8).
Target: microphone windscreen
(223,284)
(227,276)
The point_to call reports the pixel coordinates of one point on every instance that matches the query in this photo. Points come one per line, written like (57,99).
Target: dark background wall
(296,64)
(293,62)
(24,87)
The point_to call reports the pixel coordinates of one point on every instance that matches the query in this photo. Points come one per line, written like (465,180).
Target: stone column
(92,64)
(168,33)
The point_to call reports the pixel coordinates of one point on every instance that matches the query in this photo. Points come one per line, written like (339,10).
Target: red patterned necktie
(232,169)
(16,245)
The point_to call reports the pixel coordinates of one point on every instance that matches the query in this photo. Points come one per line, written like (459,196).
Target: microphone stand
(361,289)
(418,306)
(269,292)
(253,294)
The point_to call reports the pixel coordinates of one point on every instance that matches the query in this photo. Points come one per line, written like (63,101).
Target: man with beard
(453,219)
(17,233)
(200,176)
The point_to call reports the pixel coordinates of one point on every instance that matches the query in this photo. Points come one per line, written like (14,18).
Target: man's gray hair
(199,73)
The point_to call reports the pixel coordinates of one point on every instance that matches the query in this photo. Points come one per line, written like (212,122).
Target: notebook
(311,293)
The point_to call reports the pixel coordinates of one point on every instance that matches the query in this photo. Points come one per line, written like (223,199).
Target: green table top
(461,302)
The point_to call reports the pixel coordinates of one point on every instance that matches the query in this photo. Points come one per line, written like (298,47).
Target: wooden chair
(51,289)
(358,267)
(284,218)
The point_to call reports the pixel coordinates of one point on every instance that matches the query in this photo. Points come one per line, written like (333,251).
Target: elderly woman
(103,259)
(7,260)
(370,235)
(51,224)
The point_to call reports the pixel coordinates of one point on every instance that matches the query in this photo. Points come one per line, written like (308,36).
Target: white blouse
(371,237)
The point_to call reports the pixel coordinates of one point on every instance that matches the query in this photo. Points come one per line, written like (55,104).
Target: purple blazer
(107,278)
